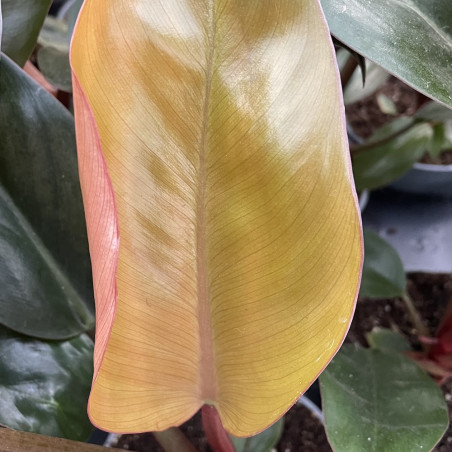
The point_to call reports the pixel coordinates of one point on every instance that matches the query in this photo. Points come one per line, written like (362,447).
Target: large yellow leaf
(225,167)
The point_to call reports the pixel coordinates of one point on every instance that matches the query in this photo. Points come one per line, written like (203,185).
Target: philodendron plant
(223,227)
(379,398)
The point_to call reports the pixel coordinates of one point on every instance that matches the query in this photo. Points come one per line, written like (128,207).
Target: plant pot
(428,179)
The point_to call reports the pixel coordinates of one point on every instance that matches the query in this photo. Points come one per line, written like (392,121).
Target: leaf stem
(374,144)
(173,440)
(415,317)
(348,69)
(216,434)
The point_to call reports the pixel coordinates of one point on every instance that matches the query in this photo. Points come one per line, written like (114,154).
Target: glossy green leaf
(412,39)
(263,442)
(383,274)
(44,386)
(22,20)
(45,272)
(375,401)
(36,297)
(390,153)
(388,341)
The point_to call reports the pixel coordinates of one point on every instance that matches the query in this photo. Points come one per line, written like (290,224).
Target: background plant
(46,298)
(40,238)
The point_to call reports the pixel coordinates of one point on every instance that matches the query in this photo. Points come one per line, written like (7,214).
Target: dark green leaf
(36,298)
(412,39)
(388,341)
(389,130)
(44,386)
(375,401)
(433,111)
(45,271)
(383,275)
(390,153)
(54,33)
(53,56)
(22,20)
(263,442)
(54,65)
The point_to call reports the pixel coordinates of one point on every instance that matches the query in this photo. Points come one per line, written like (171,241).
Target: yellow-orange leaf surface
(211,135)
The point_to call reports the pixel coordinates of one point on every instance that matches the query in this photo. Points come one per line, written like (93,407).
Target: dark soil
(445,158)
(365,116)
(430,294)
(146,442)
(302,431)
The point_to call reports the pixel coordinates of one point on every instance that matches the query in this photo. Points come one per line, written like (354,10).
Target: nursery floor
(302,432)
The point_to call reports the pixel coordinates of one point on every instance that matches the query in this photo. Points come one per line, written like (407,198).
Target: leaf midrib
(207,369)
